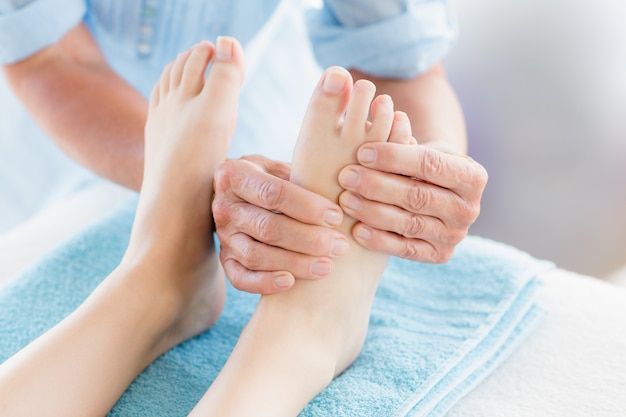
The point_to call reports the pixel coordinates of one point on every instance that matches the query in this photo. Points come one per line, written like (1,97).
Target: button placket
(147,24)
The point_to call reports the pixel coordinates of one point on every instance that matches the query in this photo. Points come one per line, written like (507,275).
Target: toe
(223,84)
(401,129)
(155,96)
(358,109)
(164,82)
(227,70)
(329,101)
(382,119)
(176,73)
(195,67)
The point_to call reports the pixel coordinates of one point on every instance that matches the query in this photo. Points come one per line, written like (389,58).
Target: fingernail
(364,233)
(321,268)
(283,281)
(349,178)
(333,217)
(366,155)
(334,81)
(351,201)
(340,247)
(223,49)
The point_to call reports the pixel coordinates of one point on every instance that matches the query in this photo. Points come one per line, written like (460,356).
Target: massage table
(573,364)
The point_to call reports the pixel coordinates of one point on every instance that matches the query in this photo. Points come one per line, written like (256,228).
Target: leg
(296,342)
(168,287)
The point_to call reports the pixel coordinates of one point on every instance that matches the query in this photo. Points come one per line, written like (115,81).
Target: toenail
(349,178)
(366,155)
(332,217)
(364,233)
(321,268)
(223,49)
(283,281)
(351,201)
(334,81)
(340,247)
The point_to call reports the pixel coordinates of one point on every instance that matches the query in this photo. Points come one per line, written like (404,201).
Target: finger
(396,245)
(257,256)
(269,228)
(256,282)
(414,196)
(458,173)
(272,193)
(401,222)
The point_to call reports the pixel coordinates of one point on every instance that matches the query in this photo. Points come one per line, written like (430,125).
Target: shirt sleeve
(27,27)
(385,38)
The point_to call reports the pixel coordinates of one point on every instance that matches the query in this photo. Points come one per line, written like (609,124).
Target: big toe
(329,100)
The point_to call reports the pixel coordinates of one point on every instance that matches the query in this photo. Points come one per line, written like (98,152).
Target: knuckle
(236,279)
(262,225)
(432,164)
(225,216)
(245,254)
(468,214)
(221,178)
(229,264)
(416,226)
(456,236)
(479,175)
(410,251)
(271,194)
(221,214)
(417,197)
(474,176)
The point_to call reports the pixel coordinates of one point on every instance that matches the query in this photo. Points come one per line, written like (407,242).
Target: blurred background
(543,86)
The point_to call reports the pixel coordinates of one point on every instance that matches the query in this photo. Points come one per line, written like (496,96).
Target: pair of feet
(296,341)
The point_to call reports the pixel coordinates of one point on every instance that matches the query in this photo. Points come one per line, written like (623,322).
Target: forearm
(431,104)
(92,114)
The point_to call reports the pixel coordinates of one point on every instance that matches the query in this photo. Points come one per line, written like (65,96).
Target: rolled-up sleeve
(385,38)
(31,27)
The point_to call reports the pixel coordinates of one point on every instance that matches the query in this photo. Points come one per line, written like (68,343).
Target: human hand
(412,201)
(270,230)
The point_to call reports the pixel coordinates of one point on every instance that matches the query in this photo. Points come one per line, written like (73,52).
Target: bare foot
(168,287)
(188,132)
(297,341)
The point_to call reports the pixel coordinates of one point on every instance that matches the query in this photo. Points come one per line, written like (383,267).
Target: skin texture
(415,202)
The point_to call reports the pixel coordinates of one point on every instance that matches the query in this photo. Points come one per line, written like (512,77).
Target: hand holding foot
(298,340)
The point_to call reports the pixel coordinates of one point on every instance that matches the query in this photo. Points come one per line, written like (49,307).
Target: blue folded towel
(436,331)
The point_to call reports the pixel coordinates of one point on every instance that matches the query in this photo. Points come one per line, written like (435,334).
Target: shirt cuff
(40,23)
(402,46)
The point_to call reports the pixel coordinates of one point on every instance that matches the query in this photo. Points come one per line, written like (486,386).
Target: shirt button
(146,30)
(144,48)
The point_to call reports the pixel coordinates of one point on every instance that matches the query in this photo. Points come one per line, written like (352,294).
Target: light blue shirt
(399,38)
(286,43)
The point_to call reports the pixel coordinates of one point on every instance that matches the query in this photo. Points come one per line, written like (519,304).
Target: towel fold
(436,331)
